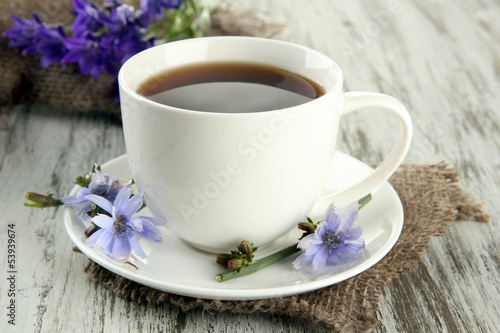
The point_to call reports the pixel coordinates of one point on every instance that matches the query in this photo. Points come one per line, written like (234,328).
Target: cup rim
(131,92)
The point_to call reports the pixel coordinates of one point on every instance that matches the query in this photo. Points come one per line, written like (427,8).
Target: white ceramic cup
(220,178)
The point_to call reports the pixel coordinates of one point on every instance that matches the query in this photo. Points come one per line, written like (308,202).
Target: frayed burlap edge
(432,199)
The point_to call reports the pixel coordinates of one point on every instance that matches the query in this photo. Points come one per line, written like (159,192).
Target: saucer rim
(231,293)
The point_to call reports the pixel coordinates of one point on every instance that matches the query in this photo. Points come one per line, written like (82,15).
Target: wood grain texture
(440,58)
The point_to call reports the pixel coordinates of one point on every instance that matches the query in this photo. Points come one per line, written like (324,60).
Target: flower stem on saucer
(277,256)
(258,264)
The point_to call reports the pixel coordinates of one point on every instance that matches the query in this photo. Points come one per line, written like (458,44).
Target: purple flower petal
(121,249)
(153,221)
(136,224)
(104,221)
(136,247)
(133,204)
(347,218)
(121,201)
(101,202)
(334,241)
(349,250)
(73,200)
(332,217)
(354,233)
(320,258)
(303,261)
(151,233)
(92,240)
(101,238)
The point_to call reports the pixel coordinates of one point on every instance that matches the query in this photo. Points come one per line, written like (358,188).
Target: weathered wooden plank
(442,59)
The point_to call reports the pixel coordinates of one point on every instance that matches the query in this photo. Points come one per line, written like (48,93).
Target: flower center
(330,241)
(120,225)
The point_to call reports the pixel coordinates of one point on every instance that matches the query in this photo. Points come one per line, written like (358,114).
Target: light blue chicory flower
(334,241)
(118,233)
(100,184)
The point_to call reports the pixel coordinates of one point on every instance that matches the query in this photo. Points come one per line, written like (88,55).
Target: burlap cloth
(432,199)
(24,81)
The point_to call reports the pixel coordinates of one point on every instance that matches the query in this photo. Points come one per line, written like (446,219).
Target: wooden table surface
(440,58)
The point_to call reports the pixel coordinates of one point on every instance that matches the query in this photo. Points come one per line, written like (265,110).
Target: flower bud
(308,227)
(236,263)
(246,248)
(223,259)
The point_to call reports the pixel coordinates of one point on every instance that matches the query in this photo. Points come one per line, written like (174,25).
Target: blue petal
(333,259)
(121,249)
(154,221)
(136,247)
(92,240)
(133,205)
(320,258)
(121,201)
(354,233)
(332,217)
(104,221)
(73,200)
(105,240)
(101,238)
(151,233)
(313,249)
(302,261)
(322,229)
(101,202)
(349,250)
(136,223)
(346,219)
(307,241)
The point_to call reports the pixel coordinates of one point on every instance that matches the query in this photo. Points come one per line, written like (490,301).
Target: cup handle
(355,101)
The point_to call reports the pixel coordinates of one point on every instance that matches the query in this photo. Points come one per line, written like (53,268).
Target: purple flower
(151,10)
(88,17)
(125,35)
(38,38)
(23,34)
(118,233)
(88,52)
(333,242)
(50,44)
(100,184)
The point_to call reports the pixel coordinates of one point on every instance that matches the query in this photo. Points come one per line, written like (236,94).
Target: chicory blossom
(50,44)
(87,52)
(100,184)
(119,230)
(88,17)
(334,241)
(155,7)
(23,34)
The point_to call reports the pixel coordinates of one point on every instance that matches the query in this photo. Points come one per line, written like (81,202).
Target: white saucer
(176,268)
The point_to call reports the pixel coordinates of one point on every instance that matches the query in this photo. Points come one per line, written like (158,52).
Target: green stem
(275,257)
(364,200)
(259,264)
